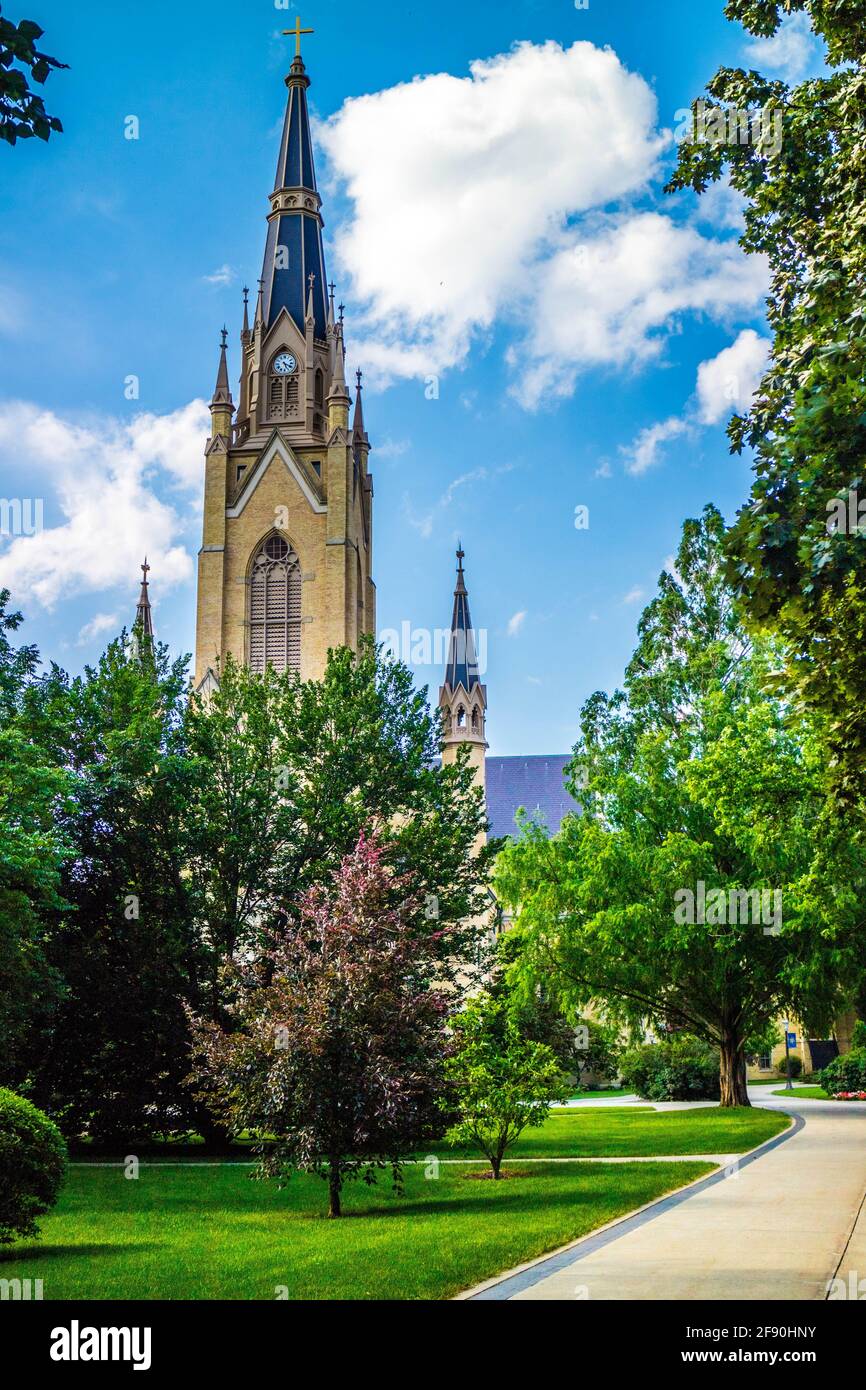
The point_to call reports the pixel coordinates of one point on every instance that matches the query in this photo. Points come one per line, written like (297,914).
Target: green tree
(500,1082)
(699,786)
(22,112)
(126,947)
(288,774)
(336,1062)
(32,852)
(797,552)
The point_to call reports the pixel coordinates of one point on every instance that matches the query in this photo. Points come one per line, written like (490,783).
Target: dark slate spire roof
(462,664)
(297,228)
(535,783)
(143,615)
(222,391)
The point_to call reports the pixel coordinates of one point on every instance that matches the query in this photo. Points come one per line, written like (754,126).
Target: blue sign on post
(792,1039)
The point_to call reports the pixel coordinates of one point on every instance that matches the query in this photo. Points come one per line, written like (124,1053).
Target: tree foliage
(799,572)
(336,1060)
(693,775)
(501,1081)
(125,945)
(288,774)
(32,853)
(22,111)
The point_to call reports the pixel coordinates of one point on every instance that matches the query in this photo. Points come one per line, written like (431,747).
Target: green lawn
(813,1093)
(609,1094)
(194,1232)
(633,1132)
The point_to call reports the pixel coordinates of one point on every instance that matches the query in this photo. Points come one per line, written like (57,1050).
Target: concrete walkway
(781,1225)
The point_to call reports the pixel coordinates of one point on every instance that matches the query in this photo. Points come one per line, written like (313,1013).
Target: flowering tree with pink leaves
(337,1062)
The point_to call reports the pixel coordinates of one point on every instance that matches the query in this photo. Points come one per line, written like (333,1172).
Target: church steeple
(462,697)
(359,434)
(143,614)
(221,406)
(462,665)
(285,566)
(294,249)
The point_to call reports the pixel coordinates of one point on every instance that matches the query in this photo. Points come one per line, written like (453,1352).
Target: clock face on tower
(285,364)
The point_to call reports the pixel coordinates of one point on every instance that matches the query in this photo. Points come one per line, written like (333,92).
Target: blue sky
(497,224)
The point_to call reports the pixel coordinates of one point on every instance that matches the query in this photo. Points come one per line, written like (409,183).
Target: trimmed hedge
(846,1073)
(681,1069)
(32,1166)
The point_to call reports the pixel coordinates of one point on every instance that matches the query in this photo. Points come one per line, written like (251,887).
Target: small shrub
(682,1069)
(32,1166)
(846,1073)
(796,1066)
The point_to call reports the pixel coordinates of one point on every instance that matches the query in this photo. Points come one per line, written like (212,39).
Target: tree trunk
(216,1136)
(496,1165)
(732,1071)
(334,1205)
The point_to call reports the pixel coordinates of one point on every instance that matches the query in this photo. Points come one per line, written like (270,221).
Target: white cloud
(634,595)
(425,523)
(727,383)
(644,451)
(721,207)
(392,448)
(458,183)
(612,297)
(790,53)
(104,473)
(515,622)
(224,275)
(475,205)
(99,623)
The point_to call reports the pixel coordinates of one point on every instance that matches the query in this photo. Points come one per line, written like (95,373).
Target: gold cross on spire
(298,31)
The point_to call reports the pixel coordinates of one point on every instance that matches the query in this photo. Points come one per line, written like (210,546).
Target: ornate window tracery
(275,607)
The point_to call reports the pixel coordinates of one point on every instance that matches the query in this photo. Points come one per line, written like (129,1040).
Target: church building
(285,569)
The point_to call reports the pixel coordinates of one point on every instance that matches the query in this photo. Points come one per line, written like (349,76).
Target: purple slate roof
(536,783)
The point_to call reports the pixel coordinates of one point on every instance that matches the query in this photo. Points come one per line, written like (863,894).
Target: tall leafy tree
(797,553)
(336,1062)
(697,782)
(32,851)
(288,774)
(125,947)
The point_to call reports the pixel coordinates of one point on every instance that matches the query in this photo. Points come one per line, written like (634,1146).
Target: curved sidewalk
(780,1226)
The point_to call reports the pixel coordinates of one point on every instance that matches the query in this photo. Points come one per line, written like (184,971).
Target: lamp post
(786,1025)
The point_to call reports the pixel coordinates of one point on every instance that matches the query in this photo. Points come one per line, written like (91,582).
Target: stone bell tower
(285,566)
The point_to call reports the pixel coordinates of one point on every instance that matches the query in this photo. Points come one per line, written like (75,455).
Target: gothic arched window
(461,718)
(275,607)
(475,720)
